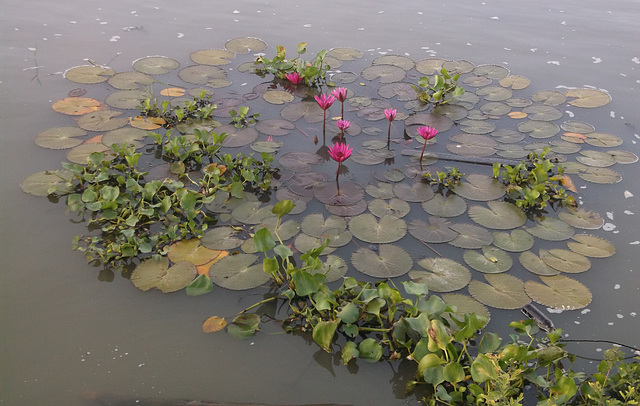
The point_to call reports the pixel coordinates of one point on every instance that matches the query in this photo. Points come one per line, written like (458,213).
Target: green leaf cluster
(241,119)
(448,179)
(439,90)
(313,72)
(200,108)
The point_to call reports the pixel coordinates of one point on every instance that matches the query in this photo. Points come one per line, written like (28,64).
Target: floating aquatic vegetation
(503,291)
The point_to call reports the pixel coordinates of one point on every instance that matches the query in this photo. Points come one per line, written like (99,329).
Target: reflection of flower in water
(343,125)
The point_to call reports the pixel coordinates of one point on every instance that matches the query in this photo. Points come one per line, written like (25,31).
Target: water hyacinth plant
(294,77)
(427,133)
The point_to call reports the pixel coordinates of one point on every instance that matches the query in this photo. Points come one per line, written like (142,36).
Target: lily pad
(465,304)
(44,183)
(451,111)
(512,151)
(252,212)
(591,246)
(270,147)
(500,215)
(244,44)
(495,93)
(445,205)
(300,161)
(76,106)
(237,137)
(437,230)
(389,175)
(549,97)
(401,61)
(238,272)
(477,81)
(470,236)
(89,74)
(347,211)
(130,80)
(286,230)
(538,129)
(103,120)
(507,136)
(551,229)
(402,90)
(343,77)
(491,260)
(311,112)
(442,275)
(317,226)
(480,188)
(582,218)
(215,57)
(577,127)
(596,159)
(303,183)
(278,97)
(559,292)
(476,127)
(349,193)
(516,241)
(459,66)
(543,113)
(345,54)
(126,135)
(126,99)
(624,157)
(430,66)
(534,264)
(588,98)
(394,207)
(389,261)
(515,82)
(600,175)
(203,75)
(367,228)
(60,137)
(385,73)
(333,268)
(417,192)
(565,260)
(382,191)
(305,243)
(221,238)
(503,291)
(602,140)
(495,109)
(155,65)
(472,145)
(564,147)
(191,251)
(153,273)
(80,154)
(275,127)
(438,121)
(491,71)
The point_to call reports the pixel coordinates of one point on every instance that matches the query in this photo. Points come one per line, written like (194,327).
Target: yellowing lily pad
(565,260)
(277,97)
(191,251)
(345,54)
(591,246)
(214,324)
(588,98)
(146,123)
(156,273)
(76,106)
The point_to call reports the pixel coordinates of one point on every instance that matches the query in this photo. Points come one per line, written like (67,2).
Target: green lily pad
(389,175)
(238,272)
(316,225)
(517,102)
(451,111)
(130,80)
(275,127)
(559,292)
(503,291)
(382,191)
(44,183)
(549,97)
(506,136)
(126,99)
(394,207)
(512,151)
(459,66)
(89,74)
(347,211)
(192,251)
(534,264)
(102,120)
(600,175)
(602,140)
(400,61)
(343,78)
(304,183)
(60,137)
(624,157)
(516,241)
(577,127)
(80,154)
(221,238)
(203,75)
(515,82)
(477,81)
(402,90)
(494,93)
(565,260)
(468,100)
(389,261)
(564,147)
(500,215)
(278,97)
(437,230)
(475,127)
(238,137)
(582,218)
(591,246)
(551,229)
(366,227)
(270,147)
(310,110)
(442,275)
(244,44)
(445,205)
(465,304)
(349,193)
(305,243)
(596,159)
(496,72)
(438,121)
(126,135)
(495,109)
(480,188)
(344,54)
(153,273)
(252,212)
(299,161)
(543,113)
(588,98)
(430,66)
(385,73)
(470,236)
(491,260)
(539,129)
(418,192)
(155,65)
(215,57)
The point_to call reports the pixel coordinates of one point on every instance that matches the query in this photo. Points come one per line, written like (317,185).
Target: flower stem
(422,154)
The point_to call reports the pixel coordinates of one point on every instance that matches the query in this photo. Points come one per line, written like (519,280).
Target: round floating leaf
(494,93)
(60,137)
(347,211)
(417,192)
(559,292)
(278,97)
(543,113)
(624,157)
(76,106)
(515,82)
(491,260)
(126,99)
(244,44)
(499,215)
(130,80)
(103,120)
(516,241)
(476,127)
(430,66)
(444,274)
(389,175)
(460,66)
(89,74)
(436,231)
(451,111)
(465,304)
(80,154)
(445,206)
(512,151)
(382,191)
(534,264)
(394,207)
(214,324)
(506,136)
(344,54)
(215,57)
(602,140)
(470,236)
(173,92)
(203,75)
(472,145)
(503,292)
(565,260)
(588,98)
(153,273)
(596,158)
(310,110)
(303,183)
(600,175)
(333,268)
(577,127)
(270,147)
(238,137)
(517,102)
(155,65)
(403,62)
(386,73)
(191,251)
(44,183)
(477,81)
(491,71)
(582,218)
(438,121)
(480,188)
(252,212)
(317,226)
(188,127)
(591,246)
(402,90)
(468,100)
(390,261)
(367,228)
(146,123)
(305,243)
(551,229)
(549,97)
(238,272)
(495,109)
(538,129)
(275,127)
(221,238)
(126,135)
(564,147)
(300,162)
(349,193)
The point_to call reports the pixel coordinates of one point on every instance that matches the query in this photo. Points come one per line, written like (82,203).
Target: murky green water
(67,336)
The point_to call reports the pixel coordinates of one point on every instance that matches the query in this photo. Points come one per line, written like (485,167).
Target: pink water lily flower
(390,114)
(325,101)
(294,77)
(339,152)
(343,124)
(340,93)
(427,133)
